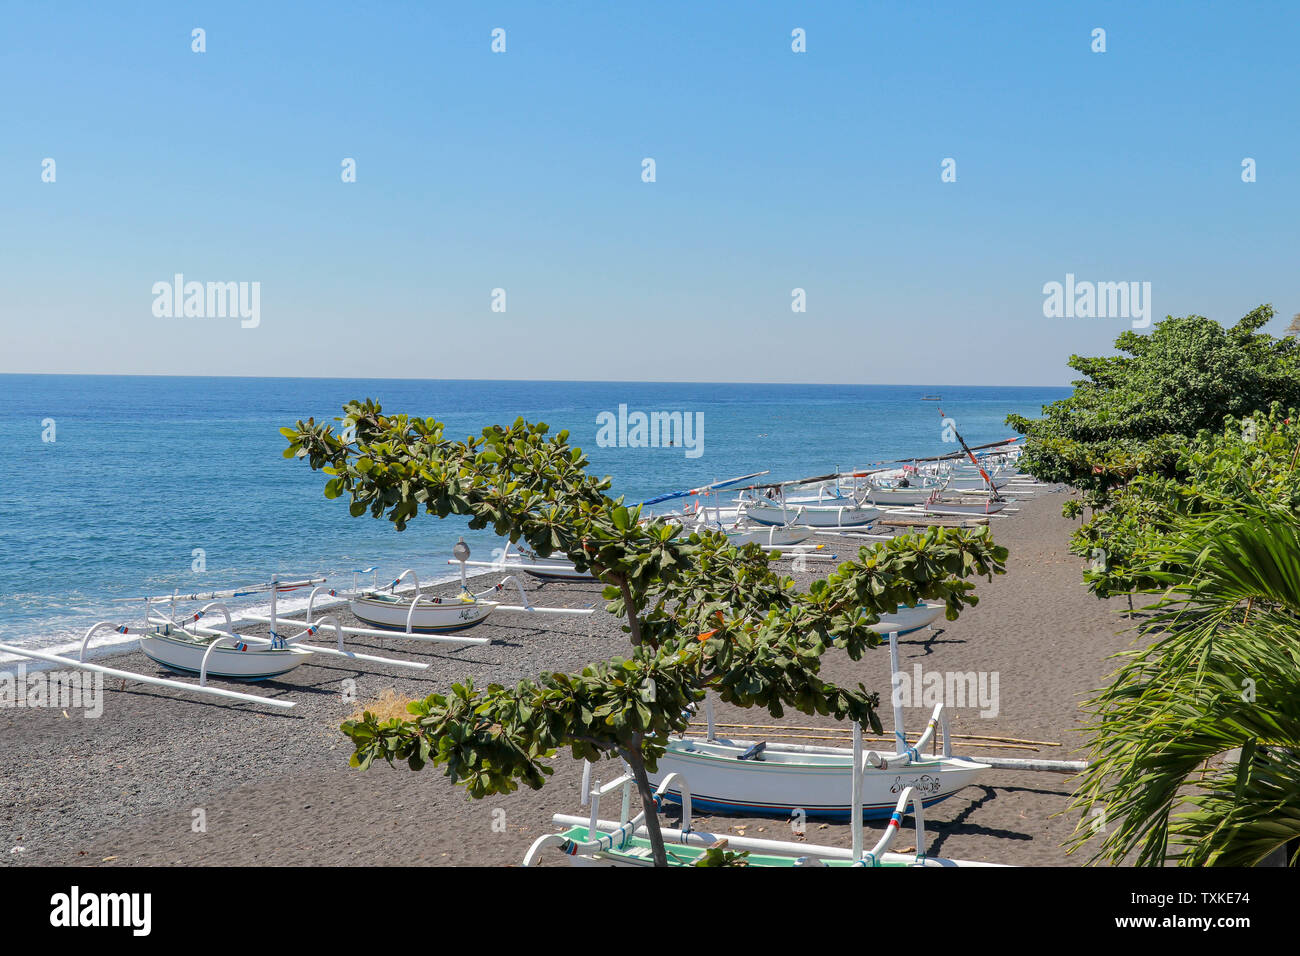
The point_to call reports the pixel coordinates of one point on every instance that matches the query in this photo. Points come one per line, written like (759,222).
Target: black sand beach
(133,786)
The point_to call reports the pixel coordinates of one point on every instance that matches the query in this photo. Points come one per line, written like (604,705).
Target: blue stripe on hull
(420,630)
(880,811)
(176,668)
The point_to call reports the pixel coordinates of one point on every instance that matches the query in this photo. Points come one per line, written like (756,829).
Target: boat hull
(385,611)
(184,653)
(908,619)
(964,507)
(548,569)
(818,784)
(813,516)
(889,497)
(972,484)
(773,536)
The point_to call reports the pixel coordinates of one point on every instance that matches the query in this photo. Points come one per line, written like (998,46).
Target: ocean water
(144,471)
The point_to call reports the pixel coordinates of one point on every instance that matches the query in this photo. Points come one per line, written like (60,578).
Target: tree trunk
(633,621)
(637,765)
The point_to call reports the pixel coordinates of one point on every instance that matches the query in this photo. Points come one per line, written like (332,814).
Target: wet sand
(167,780)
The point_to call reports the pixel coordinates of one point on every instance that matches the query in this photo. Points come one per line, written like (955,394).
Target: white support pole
(534,609)
(311,601)
(318,649)
(918,812)
(203,668)
(1022,763)
(92,629)
(275,593)
(895,697)
(145,679)
(855,804)
(593,798)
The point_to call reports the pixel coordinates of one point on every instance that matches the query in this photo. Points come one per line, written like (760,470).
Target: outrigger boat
(768,535)
(741,530)
(590,841)
(181,644)
(544,569)
(744,776)
(177,646)
(181,650)
(420,617)
(549,569)
(823,511)
(779,779)
(420,614)
(891,496)
(990,506)
(909,618)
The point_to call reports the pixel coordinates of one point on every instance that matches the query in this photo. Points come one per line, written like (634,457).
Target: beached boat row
(725,775)
(212,642)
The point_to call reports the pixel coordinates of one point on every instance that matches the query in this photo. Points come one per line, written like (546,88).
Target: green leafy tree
(1247,459)
(1125,416)
(1196,744)
(701,616)
(1183,452)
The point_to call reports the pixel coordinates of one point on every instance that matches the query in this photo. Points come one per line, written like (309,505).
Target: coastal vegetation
(1186,453)
(701,616)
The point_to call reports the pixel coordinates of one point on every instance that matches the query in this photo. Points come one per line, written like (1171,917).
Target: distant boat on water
(932,398)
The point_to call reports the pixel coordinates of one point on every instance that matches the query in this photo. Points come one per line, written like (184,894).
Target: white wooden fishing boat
(950,507)
(741,531)
(777,778)
(420,614)
(554,568)
(895,495)
(180,650)
(737,527)
(769,535)
(592,841)
(184,645)
(973,483)
(413,613)
(907,619)
(817,513)
(548,569)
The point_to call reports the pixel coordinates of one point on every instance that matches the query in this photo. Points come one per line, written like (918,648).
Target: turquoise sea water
(145,470)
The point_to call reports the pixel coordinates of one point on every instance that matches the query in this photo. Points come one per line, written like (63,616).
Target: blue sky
(522,171)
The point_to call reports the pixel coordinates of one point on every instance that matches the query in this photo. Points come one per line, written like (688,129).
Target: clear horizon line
(571,381)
